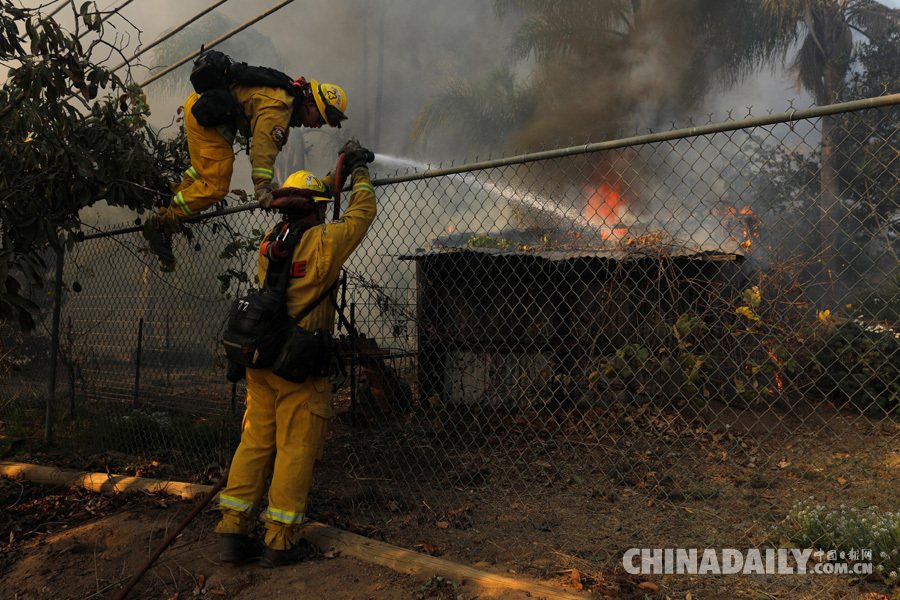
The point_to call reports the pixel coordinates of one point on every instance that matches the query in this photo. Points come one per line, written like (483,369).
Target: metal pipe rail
(650,138)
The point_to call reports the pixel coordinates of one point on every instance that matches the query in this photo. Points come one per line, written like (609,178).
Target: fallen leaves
(576,579)
(425,547)
(199,588)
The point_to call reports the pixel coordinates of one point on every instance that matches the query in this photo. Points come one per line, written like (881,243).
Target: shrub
(882,303)
(860,364)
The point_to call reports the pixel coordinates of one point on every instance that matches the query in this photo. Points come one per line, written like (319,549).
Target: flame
(605,205)
(779,378)
(744,218)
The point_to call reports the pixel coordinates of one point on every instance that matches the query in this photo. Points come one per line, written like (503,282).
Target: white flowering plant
(848,532)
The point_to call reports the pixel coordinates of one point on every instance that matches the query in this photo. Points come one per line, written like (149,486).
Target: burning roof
(556,245)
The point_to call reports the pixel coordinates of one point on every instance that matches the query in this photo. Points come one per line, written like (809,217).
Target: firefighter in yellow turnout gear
(268,113)
(285,423)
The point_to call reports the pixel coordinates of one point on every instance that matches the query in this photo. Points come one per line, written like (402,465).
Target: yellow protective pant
(283,439)
(212,164)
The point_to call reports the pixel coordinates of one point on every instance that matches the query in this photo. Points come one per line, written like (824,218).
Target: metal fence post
(54,346)
(353,418)
(168,363)
(137,366)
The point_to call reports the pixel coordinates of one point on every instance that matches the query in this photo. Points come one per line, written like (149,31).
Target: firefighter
(268,112)
(285,423)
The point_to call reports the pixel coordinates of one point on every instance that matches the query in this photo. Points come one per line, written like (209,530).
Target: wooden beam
(99,482)
(325,537)
(414,563)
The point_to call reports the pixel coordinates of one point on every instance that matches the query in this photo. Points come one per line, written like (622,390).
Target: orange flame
(779,377)
(605,205)
(744,218)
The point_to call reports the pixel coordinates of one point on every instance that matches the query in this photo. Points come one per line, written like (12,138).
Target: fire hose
(175,533)
(338,172)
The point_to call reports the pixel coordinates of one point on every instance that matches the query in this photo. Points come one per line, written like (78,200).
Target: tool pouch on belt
(255,331)
(304,354)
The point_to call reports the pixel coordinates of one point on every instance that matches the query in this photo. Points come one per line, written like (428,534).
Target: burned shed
(507,318)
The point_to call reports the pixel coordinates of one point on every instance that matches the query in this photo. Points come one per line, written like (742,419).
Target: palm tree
(823,33)
(596,63)
(251,47)
(486,109)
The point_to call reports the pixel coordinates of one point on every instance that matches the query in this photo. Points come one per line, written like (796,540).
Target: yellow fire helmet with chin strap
(308,184)
(331,102)
(301,193)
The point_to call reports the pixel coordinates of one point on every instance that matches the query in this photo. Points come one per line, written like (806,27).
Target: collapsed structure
(503,317)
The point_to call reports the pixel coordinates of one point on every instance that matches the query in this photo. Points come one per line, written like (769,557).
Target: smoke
(390,56)
(651,71)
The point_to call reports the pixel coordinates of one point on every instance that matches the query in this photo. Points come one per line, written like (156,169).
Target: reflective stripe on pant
(188,178)
(282,438)
(212,164)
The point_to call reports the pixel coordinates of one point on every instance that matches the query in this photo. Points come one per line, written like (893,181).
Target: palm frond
(553,29)
(250,46)
(484,111)
(808,68)
(872,19)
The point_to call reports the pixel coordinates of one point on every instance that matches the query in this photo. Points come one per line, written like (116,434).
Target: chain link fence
(676,340)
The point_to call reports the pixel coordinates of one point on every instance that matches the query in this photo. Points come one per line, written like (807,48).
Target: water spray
(508,193)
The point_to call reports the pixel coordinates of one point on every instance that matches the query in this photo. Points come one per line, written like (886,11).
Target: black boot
(239,548)
(293,555)
(160,242)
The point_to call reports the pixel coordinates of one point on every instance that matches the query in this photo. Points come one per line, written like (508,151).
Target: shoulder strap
(289,233)
(309,308)
(245,74)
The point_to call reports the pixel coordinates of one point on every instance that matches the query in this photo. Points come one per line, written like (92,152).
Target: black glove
(355,156)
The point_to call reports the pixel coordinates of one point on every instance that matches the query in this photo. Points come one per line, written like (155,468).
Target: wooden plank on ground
(414,563)
(325,537)
(99,482)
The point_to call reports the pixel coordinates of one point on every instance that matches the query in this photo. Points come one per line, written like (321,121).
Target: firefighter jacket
(267,113)
(316,264)
(268,117)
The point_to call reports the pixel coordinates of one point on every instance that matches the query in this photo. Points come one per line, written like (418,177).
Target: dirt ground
(68,544)
(560,512)
(73,544)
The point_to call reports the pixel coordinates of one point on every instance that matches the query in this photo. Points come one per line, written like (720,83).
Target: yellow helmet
(331,102)
(302,192)
(313,186)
